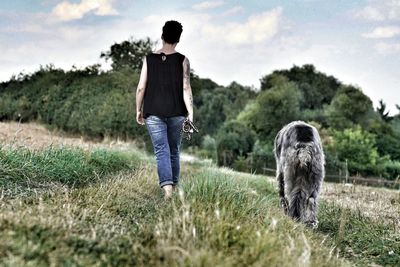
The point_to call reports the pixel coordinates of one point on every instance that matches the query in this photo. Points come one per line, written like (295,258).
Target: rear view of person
(163,101)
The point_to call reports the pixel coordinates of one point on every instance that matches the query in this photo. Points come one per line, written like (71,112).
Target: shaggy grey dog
(300,164)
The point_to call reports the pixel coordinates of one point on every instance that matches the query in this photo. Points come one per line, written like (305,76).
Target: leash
(188,129)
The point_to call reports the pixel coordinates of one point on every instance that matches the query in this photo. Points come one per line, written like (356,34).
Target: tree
(210,115)
(349,107)
(273,79)
(234,139)
(387,143)
(398,111)
(273,109)
(200,85)
(381,110)
(358,148)
(317,88)
(238,97)
(217,105)
(128,54)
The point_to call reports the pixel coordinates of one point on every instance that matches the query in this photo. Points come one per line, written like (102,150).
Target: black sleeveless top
(163,96)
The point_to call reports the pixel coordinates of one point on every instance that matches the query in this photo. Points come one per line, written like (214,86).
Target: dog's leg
(312,209)
(281,184)
(312,220)
(297,198)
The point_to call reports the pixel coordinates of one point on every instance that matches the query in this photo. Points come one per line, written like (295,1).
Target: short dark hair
(172,32)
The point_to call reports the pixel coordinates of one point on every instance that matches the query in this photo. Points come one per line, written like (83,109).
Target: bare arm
(187,89)
(140,93)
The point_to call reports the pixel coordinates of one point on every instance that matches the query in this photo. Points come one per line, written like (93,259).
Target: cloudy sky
(356,41)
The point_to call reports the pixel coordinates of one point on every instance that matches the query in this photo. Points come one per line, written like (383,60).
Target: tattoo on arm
(188,69)
(187,90)
(139,90)
(191,100)
(186,73)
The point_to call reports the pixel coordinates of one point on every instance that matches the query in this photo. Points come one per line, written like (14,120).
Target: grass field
(80,203)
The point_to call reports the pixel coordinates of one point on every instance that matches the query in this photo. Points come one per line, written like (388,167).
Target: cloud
(370,13)
(206,49)
(207,5)
(66,11)
(257,29)
(383,32)
(387,48)
(223,50)
(232,11)
(380,10)
(24,22)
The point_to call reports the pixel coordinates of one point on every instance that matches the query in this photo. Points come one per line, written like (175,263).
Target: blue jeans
(165,134)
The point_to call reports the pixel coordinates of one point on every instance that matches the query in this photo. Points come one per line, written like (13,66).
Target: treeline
(237,123)
(356,137)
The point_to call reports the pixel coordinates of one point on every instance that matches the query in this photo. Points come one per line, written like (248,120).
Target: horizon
(357,42)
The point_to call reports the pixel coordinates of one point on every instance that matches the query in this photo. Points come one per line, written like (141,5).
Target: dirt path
(36,136)
(376,203)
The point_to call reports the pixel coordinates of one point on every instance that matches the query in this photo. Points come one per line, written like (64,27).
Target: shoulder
(185,60)
(151,54)
(150,57)
(181,57)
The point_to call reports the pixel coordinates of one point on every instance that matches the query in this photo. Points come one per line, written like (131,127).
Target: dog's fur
(300,164)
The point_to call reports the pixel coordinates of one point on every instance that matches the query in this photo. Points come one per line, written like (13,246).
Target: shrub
(273,109)
(209,146)
(234,139)
(6,107)
(261,157)
(392,169)
(358,148)
(349,107)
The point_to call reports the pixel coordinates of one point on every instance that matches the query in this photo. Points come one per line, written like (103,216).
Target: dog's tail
(304,154)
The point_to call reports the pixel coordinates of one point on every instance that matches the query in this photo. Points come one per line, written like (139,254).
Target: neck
(168,48)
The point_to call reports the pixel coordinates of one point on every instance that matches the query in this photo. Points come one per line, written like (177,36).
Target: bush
(358,148)
(209,146)
(85,102)
(273,109)
(392,170)
(349,107)
(6,107)
(234,139)
(241,164)
(261,157)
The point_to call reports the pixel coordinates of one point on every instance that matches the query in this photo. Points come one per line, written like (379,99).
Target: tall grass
(219,220)
(216,218)
(68,166)
(361,238)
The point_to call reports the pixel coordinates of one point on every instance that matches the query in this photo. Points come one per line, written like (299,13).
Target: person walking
(163,101)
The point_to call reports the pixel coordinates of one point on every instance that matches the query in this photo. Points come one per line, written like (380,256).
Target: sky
(357,41)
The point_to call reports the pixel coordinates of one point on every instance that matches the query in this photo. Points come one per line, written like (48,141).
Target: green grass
(218,218)
(67,166)
(360,238)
